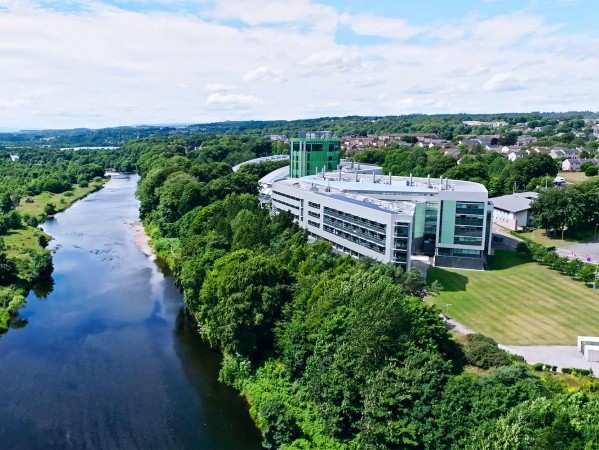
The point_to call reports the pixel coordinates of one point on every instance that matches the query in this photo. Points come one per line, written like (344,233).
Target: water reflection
(111,359)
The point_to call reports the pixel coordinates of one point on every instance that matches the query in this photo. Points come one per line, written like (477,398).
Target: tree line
(24,258)
(495,172)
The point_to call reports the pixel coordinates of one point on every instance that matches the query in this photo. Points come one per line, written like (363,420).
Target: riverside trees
(331,352)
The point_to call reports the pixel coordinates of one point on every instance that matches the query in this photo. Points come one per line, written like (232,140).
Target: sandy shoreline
(141,239)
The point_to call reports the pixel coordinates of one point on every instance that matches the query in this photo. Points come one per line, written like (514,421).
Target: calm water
(109,358)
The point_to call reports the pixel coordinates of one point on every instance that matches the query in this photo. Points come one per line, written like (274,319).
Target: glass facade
(308,156)
(401,243)
(469,220)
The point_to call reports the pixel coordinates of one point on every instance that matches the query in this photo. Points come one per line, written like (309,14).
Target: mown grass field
(519,302)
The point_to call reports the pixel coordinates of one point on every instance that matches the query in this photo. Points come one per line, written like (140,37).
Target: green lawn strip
(519,302)
(62,201)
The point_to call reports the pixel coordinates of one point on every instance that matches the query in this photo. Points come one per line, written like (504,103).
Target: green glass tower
(313,151)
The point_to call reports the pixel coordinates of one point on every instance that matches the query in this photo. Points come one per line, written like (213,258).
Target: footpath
(561,356)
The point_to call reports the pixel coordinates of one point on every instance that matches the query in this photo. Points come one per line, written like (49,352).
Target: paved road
(554,355)
(588,252)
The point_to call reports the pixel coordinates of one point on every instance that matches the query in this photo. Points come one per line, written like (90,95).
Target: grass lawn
(575,177)
(547,238)
(519,302)
(62,201)
(19,243)
(543,237)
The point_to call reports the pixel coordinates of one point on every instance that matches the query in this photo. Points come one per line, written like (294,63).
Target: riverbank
(140,238)
(27,241)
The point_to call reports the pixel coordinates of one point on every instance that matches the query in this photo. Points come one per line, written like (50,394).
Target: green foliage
(8,269)
(42,267)
(240,300)
(4,320)
(17,302)
(278,425)
(329,351)
(482,351)
(591,171)
(50,209)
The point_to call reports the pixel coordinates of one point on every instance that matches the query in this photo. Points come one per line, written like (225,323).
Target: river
(109,358)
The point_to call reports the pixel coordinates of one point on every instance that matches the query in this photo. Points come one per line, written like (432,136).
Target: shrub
(278,425)
(42,240)
(17,302)
(538,367)
(234,370)
(4,320)
(50,209)
(567,370)
(522,247)
(482,351)
(32,221)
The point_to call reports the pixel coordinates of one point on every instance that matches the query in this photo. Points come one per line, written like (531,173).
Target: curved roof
(261,160)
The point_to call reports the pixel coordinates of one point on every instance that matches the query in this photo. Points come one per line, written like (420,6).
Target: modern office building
(364,213)
(313,151)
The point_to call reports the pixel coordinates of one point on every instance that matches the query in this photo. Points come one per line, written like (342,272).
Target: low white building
(513,211)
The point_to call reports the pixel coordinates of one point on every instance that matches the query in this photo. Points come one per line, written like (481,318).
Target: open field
(62,201)
(519,302)
(20,243)
(575,177)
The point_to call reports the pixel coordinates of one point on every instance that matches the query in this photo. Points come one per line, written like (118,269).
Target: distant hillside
(446,126)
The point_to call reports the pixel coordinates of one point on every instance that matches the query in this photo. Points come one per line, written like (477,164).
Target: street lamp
(596,231)
(447,305)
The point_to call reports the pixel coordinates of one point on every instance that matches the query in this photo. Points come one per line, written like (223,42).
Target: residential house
(564,153)
(525,140)
(516,154)
(573,164)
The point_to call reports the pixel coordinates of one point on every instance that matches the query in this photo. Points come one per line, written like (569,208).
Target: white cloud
(259,12)
(373,25)
(264,73)
(218,98)
(340,59)
(103,65)
(503,82)
(219,87)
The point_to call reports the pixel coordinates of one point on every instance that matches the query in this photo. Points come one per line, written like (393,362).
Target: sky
(71,63)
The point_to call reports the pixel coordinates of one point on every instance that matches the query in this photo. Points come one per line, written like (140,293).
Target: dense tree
(240,301)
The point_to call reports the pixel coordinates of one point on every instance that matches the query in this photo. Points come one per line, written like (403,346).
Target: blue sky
(103,63)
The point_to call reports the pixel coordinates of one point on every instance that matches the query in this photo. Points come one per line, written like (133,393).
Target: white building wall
(301,208)
(510,220)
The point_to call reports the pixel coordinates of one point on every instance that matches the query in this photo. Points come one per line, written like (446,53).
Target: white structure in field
(364,213)
(589,347)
